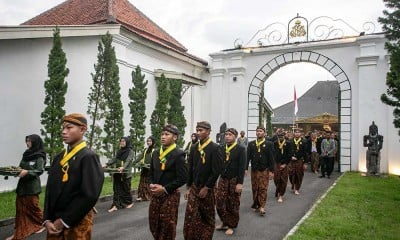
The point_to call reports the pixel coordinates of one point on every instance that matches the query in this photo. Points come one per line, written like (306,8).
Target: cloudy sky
(207,26)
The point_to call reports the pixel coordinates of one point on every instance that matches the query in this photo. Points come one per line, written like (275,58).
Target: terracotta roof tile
(86,12)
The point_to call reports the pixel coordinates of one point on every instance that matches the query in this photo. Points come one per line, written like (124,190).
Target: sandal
(229,231)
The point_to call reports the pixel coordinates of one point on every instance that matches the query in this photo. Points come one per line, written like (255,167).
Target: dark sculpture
(374,143)
(221,134)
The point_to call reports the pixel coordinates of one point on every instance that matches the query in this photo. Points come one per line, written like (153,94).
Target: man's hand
(23,173)
(294,158)
(203,192)
(120,169)
(239,188)
(282,166)
(51,228)
(157,190)
(186,195)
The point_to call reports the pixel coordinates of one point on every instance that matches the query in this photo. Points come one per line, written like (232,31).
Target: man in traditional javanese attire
(297,163)
(260,153)
(230,184)
(205,164)
(167,173)
(283,156)
(73,186)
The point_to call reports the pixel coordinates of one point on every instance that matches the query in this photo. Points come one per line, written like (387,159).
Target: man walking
(260,155)
(205,164)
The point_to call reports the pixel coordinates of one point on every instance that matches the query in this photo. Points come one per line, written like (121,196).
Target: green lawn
(7,206)
(356,208)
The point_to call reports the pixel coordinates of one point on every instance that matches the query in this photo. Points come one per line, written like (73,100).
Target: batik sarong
(228,202)
(296,173)
(82,231)
(280,179)
(28,217)
(144,185)
(259,187)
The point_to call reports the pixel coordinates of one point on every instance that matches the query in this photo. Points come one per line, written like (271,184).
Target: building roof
(89,12)
(320,98)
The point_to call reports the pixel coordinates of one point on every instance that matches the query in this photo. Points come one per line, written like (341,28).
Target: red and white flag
(296,107)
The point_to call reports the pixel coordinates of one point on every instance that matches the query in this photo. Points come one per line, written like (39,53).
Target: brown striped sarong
(144,185)
(296,173)
(280,179)
(228,202)
(259,187)
(28,217)
(199,215)
(82,231)
(314,161)
(163,215)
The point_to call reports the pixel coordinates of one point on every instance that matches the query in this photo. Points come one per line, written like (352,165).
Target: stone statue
(221,134)
(374,143)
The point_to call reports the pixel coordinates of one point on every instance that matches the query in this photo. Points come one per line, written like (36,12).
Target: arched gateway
(358,61)
(256,85)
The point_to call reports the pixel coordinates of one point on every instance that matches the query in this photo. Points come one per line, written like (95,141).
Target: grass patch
(356,208)
(7,206)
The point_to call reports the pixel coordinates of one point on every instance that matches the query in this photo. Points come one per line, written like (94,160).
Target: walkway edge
(319,200)
(106,198)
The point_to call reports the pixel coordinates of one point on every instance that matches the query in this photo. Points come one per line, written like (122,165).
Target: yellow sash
(200,149)
(67,156)
(297,143)
(281,144)
(163,155)
(258,144)
(228,150)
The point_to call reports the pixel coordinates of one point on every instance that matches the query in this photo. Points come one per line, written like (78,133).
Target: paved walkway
(279,220)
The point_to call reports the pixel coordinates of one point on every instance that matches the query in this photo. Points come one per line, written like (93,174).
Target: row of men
(76,177)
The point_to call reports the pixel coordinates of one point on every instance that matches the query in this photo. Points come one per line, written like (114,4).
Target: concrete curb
(294,229)
(11,220)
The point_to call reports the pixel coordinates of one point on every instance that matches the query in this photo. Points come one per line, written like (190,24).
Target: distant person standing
(73,185)
(145,159)
(242,140)
(260,153)
(205,165)
(167,173)
(28,216)
(193,140)
(122,179)
(314,150)
(328,148)
(283,156)
(230,184)
(298,161)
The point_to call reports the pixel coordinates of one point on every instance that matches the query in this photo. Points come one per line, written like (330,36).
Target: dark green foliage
(137,106)
(55,90)
(159,115)
(113,124)
(105,105)
(175,112)
(97,103)
(391,27)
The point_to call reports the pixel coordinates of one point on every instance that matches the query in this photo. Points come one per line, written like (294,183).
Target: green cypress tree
(159,115)
(113,124)
(97,102)
(175,111)
(137,106)
(269,124)
(55,90)
(391,27)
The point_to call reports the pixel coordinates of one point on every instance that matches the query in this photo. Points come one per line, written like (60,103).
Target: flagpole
(295,107)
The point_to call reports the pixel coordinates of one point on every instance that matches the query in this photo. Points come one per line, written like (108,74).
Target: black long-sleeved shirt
(263,159)
(175,173)
(236,165)
(205,174)
(287,152)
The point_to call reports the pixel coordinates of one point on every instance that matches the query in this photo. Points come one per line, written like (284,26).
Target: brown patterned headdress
(76,119)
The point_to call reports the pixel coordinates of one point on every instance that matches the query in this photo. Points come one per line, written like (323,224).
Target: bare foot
(296,192)
(229,231)
(40,230)
(262,211)
(130,205)
(138,199)
(113,209)
(10,237)
(280,199)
